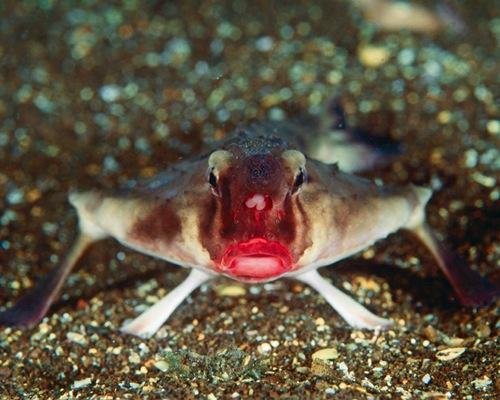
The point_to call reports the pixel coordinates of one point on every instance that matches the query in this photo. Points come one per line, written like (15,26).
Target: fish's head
(251,230)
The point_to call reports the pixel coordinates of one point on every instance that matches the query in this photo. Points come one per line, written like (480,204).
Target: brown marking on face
(160,224)
(302,228)
(208,217)
(254,168)
(287,226)
(228,219)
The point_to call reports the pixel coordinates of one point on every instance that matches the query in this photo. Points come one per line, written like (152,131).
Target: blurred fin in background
(354,149)
(389,15)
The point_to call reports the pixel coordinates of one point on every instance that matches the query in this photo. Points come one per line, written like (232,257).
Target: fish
(275,199)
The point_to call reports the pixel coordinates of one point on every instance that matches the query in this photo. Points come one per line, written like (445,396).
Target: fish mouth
(256,260)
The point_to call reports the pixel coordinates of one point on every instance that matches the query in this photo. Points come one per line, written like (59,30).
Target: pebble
(483,331)
(82,383)
(330,391)
(231,290)
(326,354)
(264,348)
(430,333)
(162,365)
(134,358)
(426,379)
(373,56)
(342,367)
(264,43)
(110,93)
(481,383)
(76,337)
(493,127)
(450,353)
(144,349)
(284,309)
(15,196)
(367,284)
(444,117)
(453,341)
(484,180)
(471,158)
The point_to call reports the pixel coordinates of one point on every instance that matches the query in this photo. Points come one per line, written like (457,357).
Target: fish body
(273,200)
(254,208)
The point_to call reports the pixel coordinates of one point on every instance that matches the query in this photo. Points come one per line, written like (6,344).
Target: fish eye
(219,160)
(212,181)
(299,180)
(296,161)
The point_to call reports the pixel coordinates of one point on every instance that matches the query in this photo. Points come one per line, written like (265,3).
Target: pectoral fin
(353,313)
(32,307)
(471,288)
(146,324)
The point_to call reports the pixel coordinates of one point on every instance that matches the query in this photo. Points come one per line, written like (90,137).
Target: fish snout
(257,259)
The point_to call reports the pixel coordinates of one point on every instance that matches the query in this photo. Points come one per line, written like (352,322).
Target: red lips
(256,259)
